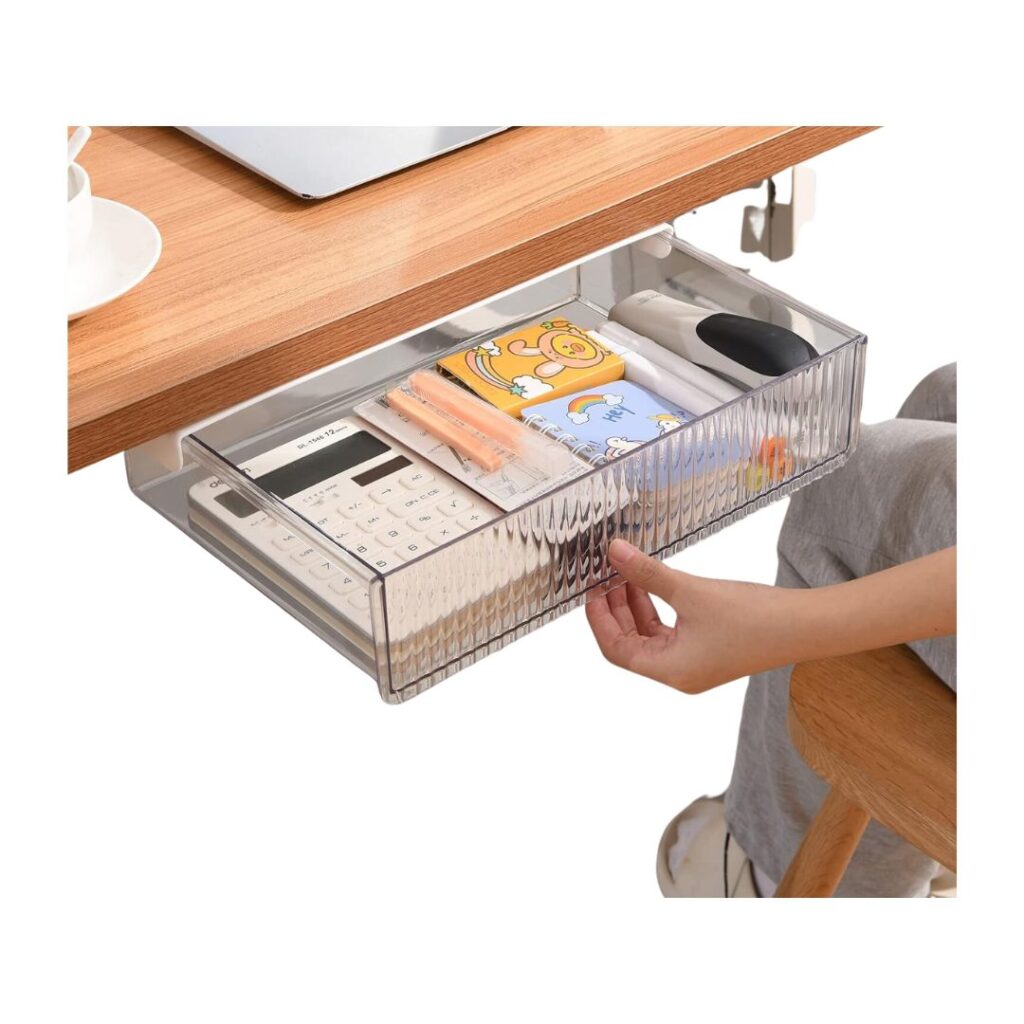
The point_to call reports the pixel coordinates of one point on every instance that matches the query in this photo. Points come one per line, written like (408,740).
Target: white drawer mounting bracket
(772,229)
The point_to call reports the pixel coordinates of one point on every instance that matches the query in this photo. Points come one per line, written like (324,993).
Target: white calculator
(378,500)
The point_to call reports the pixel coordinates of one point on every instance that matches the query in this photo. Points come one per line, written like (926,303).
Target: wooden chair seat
(880,728)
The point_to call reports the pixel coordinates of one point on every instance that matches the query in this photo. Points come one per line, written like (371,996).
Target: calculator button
(325,570)
(445,532)
(412,548)
(354,509)
(470,520)
(422,521)
(385,493)
(373,522)
(400,509)
(285,541)
(389,538)
(384,560)
(362,549)
(454,505)
(343,584)
(360,599)
(416,479)
(306,555)
(435,493)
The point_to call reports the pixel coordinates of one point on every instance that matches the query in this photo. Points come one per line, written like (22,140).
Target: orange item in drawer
(533,364)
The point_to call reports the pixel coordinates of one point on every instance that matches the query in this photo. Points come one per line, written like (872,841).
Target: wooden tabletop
(256,287)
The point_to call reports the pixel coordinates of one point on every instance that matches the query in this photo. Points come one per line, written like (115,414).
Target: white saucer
(124,246)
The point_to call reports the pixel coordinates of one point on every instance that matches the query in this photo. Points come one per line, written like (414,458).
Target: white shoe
(944,884)
(697,856)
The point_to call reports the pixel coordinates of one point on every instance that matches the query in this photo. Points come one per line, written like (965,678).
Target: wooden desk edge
(208,393)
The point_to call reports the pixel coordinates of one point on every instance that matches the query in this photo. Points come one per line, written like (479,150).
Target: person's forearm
(913,601)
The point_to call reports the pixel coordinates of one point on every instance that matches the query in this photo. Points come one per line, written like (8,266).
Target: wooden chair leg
(825,852)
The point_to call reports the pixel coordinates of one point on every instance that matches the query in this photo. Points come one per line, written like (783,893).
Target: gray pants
(895,500)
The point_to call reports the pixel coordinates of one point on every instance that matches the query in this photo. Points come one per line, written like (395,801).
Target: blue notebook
(606,422)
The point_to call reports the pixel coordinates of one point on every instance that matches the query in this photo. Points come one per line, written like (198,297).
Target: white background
(208,815)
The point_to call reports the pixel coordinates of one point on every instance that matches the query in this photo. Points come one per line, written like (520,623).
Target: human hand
(723,629)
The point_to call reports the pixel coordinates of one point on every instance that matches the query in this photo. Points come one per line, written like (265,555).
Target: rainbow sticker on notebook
(606,422)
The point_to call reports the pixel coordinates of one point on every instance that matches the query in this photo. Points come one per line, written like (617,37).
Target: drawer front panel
(486,588)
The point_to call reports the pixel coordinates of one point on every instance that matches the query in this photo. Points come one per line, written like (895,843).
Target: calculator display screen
(311,469)
(381,471)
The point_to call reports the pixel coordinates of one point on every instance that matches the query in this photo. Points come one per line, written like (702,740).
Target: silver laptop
(318,162)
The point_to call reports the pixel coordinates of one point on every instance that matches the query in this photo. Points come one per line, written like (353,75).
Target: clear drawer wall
(428,617)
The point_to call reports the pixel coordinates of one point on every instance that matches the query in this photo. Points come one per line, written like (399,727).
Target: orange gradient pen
(502,428)
(444,430)
(471,410)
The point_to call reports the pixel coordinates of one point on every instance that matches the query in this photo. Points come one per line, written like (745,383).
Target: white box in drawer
(412,617)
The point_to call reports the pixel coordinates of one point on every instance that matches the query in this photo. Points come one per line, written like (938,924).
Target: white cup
(79,212)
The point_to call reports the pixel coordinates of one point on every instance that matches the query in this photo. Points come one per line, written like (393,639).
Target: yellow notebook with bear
(533,364)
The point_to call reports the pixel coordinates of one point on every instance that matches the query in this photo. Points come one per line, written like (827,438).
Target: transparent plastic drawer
(412,621)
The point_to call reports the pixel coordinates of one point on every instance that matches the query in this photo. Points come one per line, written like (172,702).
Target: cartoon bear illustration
(563,345)
(620,446)
(666,422)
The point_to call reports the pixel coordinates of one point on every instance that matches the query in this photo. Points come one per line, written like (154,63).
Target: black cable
(725,866)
